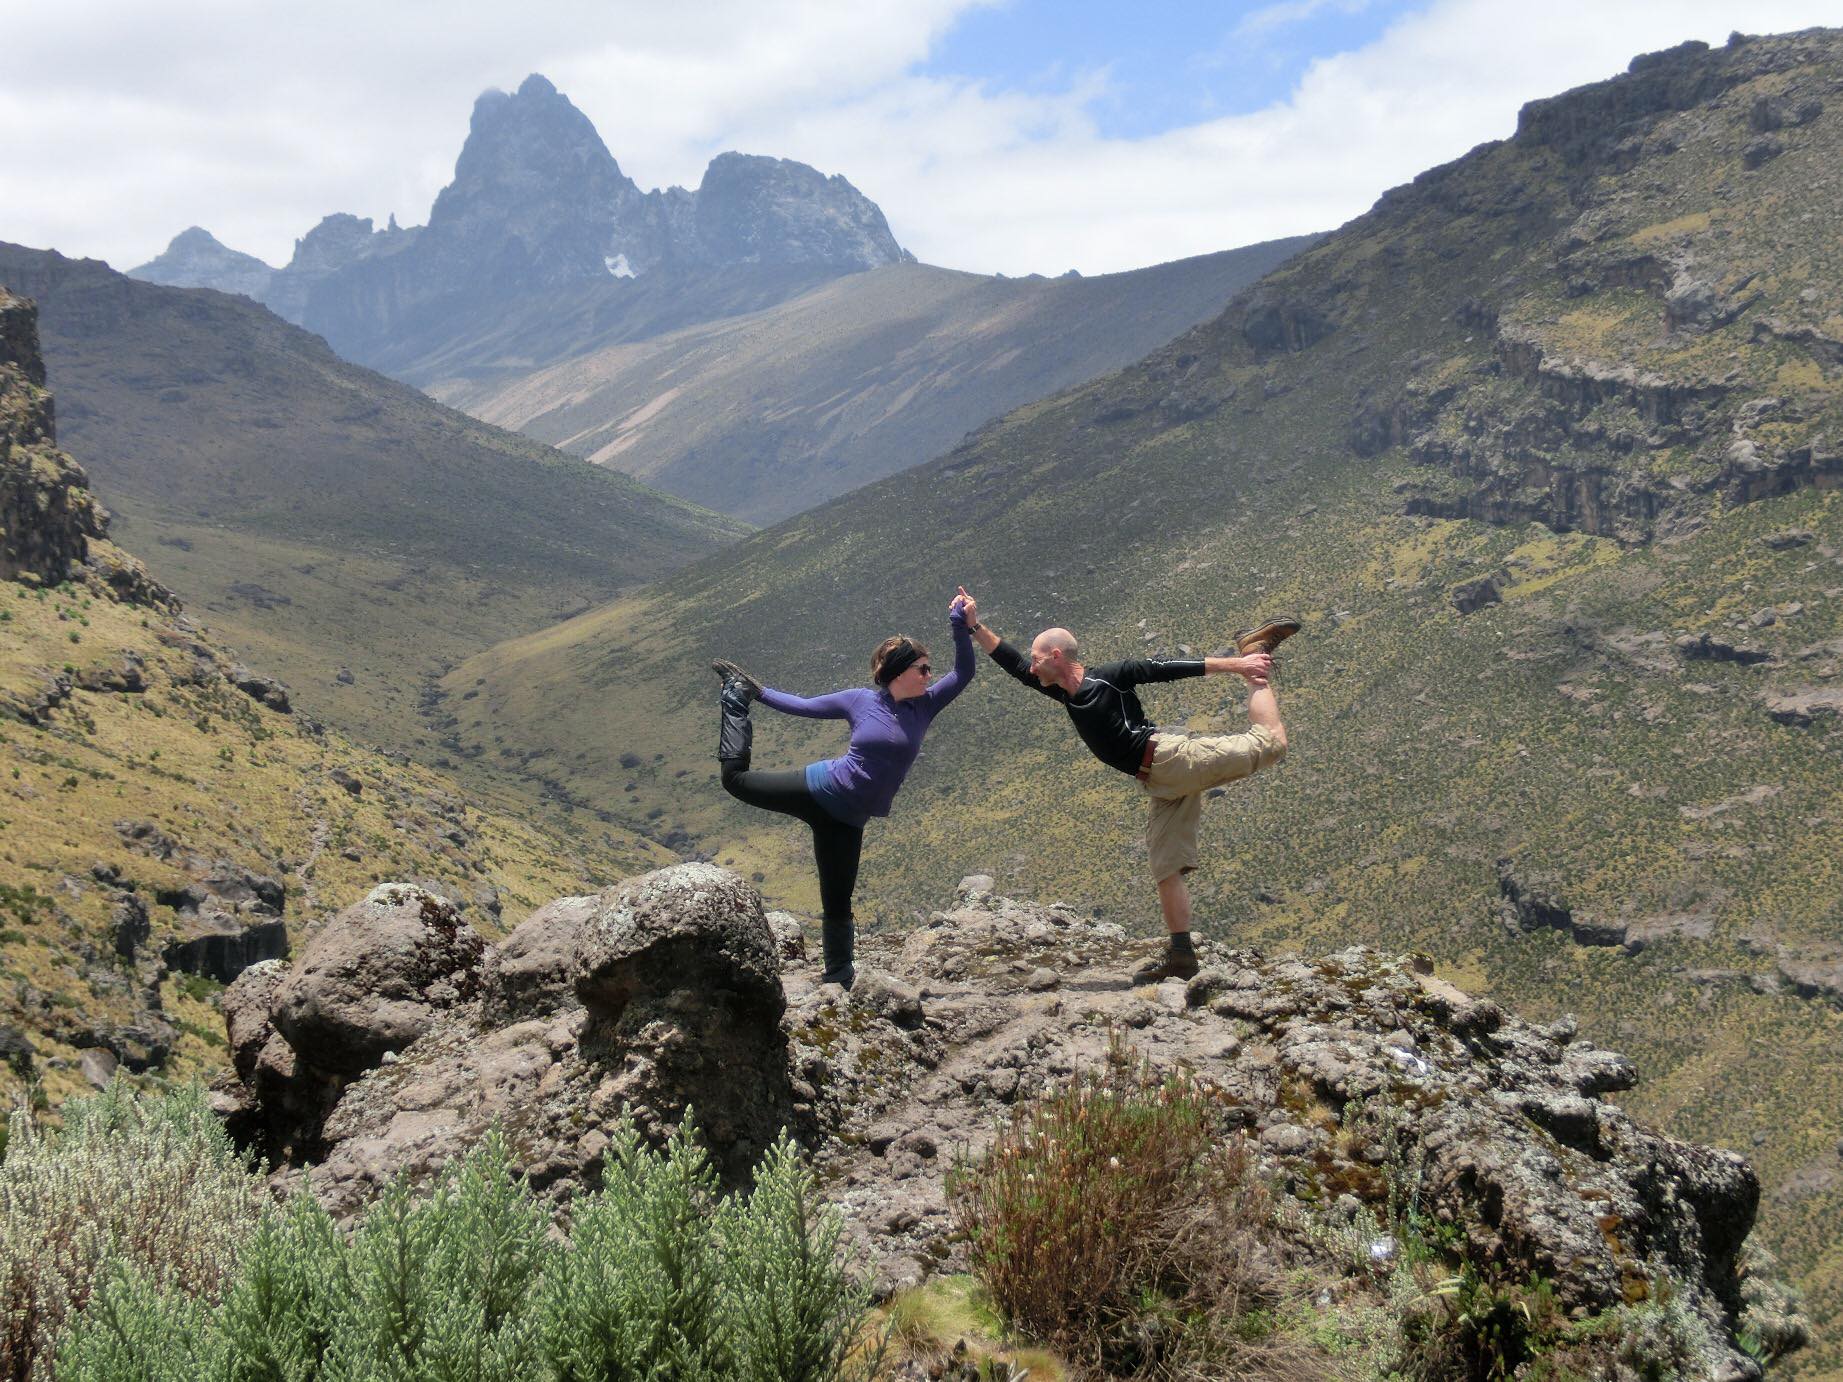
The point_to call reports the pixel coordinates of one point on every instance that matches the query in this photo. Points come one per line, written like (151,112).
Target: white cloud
(1268,18)
(127,122)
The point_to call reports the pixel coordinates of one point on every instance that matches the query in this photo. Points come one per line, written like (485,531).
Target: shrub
(798,1313)
(466,1284)
(1110,1220)
(153,1185)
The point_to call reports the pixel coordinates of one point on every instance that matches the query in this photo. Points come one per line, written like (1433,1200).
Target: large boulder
(532,972)
(679,972)
(376,976)
(399,1037)
(694,929)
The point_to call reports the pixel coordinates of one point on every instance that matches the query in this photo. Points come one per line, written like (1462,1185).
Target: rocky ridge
(537,202)
(397,1038)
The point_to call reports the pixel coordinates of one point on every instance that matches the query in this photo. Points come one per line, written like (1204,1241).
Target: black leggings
(836,846)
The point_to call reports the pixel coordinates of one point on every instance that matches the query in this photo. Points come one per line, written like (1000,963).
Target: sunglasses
(924,669)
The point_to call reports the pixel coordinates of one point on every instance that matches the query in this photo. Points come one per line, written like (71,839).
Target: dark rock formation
(1705,647)
(1471,596)
(1528,904)
(52,529)
(261,687)
(47,514)
(221,948)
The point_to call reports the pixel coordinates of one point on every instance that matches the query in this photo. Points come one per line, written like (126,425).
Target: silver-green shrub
(796,1309)
(290,1297)
(153,1184)
(635,1294)
(660,1279)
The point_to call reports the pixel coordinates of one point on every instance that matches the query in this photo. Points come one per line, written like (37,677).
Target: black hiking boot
(837,939)
(734,676)
(1170,963)
(1267,637)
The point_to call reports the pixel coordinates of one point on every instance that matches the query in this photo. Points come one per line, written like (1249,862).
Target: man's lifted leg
(1181,770)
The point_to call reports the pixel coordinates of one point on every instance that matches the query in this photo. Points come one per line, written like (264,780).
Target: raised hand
(968,607)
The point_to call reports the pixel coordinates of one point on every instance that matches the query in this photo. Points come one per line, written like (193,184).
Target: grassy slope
(1217,481)
(227,778)
(248,463)
(762,415)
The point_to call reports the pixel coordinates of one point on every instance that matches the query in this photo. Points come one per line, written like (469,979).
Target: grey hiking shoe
(1267,637)
(730,672)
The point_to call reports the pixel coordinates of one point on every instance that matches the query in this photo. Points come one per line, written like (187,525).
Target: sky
(1011,136)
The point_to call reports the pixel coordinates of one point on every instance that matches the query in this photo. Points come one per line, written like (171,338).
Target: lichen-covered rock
(532,972)
(694,928)
(248,1003)
(374,978)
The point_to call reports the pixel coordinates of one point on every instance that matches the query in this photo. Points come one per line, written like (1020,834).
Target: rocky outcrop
(52,529)
(1804,708)
(755,210)
(1340,1071)
(47,514)
(398,1036)
(1527,903)
(1342,1075)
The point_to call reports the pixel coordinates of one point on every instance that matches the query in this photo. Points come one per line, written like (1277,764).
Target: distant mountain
(196,259)
(763,414)
(325,517)
(1545,451)
(757,345)
(538,202)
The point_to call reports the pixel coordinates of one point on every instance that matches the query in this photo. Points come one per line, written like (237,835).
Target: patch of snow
(618,266)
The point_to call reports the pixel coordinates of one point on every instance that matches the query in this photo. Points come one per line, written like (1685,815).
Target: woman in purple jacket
(838,796)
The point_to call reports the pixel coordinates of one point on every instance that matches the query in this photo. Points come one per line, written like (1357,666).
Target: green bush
(659,1279)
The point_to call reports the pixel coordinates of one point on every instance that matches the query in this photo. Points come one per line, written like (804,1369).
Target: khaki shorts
(1183,768)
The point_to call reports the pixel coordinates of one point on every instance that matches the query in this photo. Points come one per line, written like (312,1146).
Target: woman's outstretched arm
(961,615)
(835,705)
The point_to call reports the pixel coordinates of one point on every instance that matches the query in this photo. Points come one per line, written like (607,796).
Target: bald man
(1175,770)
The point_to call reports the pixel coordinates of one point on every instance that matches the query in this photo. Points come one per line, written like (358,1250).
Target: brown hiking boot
(1170,963)
(1267,637)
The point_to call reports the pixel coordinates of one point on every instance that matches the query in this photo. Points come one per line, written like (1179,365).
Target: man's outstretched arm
(1008,658)
(1253,666)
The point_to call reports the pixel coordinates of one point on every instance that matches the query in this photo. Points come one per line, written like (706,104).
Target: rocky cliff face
(397,1037)
(47,515)
(538,202)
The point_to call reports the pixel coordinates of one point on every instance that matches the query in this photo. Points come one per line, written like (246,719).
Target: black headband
(901,657)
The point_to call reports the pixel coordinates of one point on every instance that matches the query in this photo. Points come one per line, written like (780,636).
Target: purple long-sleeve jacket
(886,734)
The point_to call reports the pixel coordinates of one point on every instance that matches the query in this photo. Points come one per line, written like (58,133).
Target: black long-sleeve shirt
(1106,713)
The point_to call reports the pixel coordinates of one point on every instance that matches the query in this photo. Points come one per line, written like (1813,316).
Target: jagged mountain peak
(757,209)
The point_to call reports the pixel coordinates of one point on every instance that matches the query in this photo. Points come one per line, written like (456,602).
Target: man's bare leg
(1174,902)
(1264,710)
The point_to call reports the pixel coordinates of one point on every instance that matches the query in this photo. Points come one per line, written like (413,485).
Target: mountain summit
(537,202)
